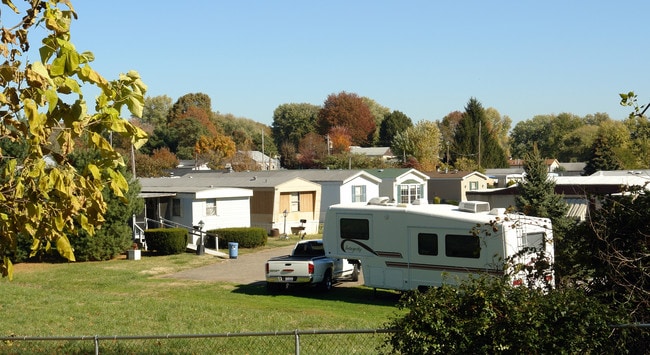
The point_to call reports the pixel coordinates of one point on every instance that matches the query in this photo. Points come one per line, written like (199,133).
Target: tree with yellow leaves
(42,108)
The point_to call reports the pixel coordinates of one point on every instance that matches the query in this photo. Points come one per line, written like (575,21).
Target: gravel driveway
(246,269)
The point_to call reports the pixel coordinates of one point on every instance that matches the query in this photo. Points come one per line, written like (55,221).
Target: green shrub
(166,241)
(106,244)
(485,315)
(252,237)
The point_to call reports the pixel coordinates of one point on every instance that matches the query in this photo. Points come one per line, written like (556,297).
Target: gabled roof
(394,173)
(453,175)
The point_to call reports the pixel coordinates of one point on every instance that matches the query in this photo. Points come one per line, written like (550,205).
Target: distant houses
(280,201)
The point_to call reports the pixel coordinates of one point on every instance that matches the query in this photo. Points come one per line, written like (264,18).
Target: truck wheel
(355,273)
(326,284)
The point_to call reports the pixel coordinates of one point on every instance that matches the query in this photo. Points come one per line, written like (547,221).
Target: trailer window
(462,246)
(355,228)
(536,240)
(427,244)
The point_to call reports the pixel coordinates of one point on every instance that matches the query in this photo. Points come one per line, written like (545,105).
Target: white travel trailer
(411,246)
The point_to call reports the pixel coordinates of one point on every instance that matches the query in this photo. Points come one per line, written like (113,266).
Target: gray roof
(371,151)
(281,176)
(641,173)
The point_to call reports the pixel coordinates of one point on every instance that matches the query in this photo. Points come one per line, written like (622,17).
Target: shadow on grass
(340,292)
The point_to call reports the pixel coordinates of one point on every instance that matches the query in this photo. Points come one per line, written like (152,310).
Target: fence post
(96,345)
(297,337)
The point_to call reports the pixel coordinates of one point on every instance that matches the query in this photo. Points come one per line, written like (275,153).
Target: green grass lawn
(126,297)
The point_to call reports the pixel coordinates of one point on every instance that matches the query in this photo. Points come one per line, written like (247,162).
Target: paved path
(246,269)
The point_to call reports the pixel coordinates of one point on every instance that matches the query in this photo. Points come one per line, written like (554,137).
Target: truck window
(427,244)
(462,246)
(354,228)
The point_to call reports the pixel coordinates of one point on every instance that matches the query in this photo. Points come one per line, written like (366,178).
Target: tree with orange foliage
(214,150)
(350,111)
(339,140)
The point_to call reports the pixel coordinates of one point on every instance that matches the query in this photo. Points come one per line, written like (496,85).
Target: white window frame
(359,193)
(211,207)
(473,185)
(294,202)
(410,192)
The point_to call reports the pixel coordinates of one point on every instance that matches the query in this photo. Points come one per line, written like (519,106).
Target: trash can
(232,250)
(275,232)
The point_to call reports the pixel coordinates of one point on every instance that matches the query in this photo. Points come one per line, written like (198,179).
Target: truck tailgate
(289,269)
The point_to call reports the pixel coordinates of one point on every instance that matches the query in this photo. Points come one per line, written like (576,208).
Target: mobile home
(410,246)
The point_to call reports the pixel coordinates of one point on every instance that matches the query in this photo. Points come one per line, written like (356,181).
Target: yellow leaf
(36,244)
(64,248)
(59,221)
(7,268)
(94,171)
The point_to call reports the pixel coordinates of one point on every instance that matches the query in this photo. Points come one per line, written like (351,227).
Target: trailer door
(423,257)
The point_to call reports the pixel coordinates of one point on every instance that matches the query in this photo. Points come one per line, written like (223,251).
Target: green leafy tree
(378,112)
(392,124)
(474,138)
(402,145)
(48,201)
(448,126)
(425,137)
(639,128)
(500,126)
(548,132)
(350,111)
(156,110)
(602,156)
(291,122)
(577,143)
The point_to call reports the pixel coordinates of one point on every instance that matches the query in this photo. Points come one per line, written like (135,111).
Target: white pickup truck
(308,265)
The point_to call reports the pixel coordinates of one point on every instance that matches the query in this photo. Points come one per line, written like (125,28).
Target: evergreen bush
(166,241)
(246,237)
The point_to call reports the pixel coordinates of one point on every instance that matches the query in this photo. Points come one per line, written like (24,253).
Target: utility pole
(479,145)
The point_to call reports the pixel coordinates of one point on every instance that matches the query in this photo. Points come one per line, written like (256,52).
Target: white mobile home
(405,246)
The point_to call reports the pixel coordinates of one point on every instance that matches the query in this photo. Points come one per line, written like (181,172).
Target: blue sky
(424,58)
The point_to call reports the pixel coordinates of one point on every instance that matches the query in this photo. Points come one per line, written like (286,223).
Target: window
(355,228)
(176,207)
(462,246)
(410,192)
(535,240)
(359,193)
(427,244)
(294,202)
(211,207)
(473,185)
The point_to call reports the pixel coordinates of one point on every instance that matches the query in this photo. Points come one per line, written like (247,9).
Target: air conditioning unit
(474,206)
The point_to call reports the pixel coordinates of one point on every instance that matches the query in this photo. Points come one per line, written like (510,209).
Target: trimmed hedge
(246,237)
(166,241)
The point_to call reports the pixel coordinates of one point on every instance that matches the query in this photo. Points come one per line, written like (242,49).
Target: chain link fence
(291,342)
